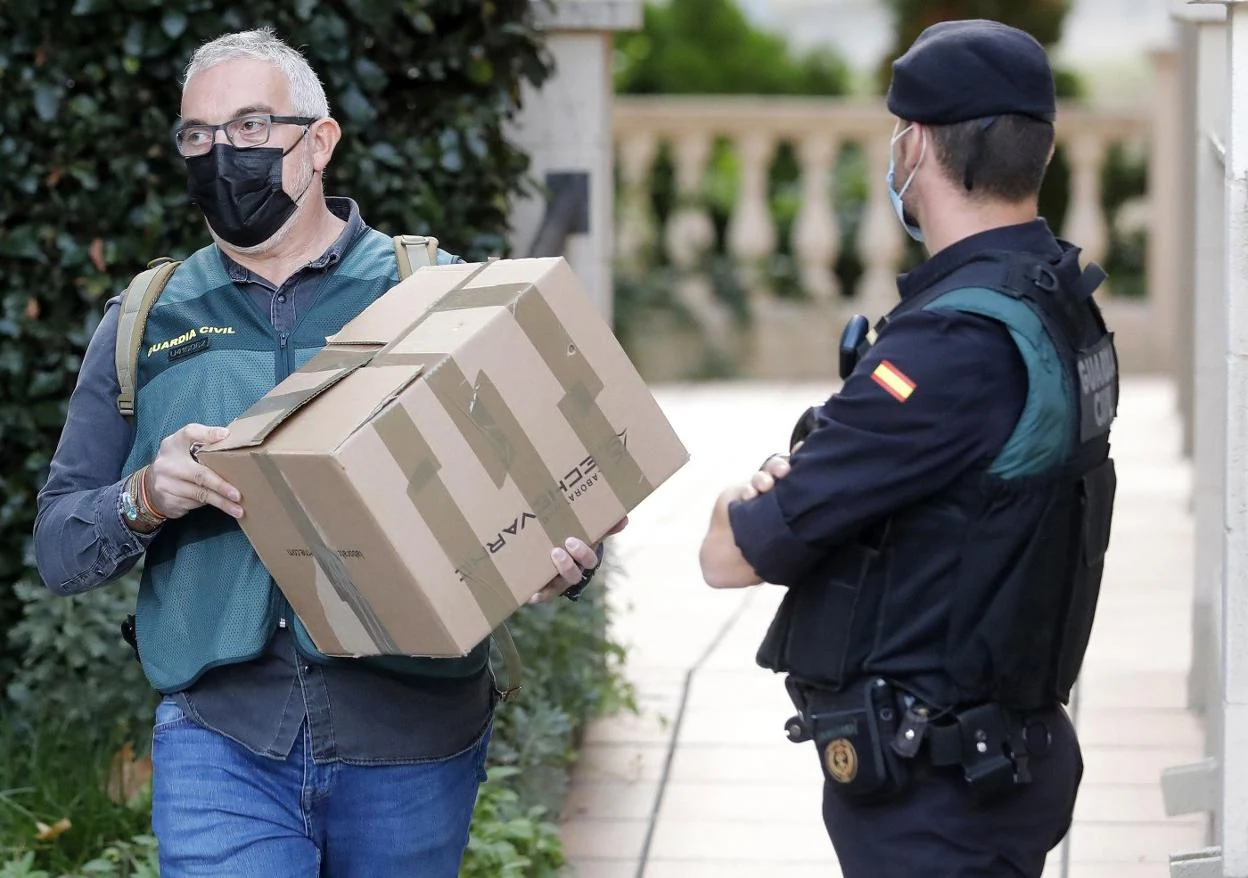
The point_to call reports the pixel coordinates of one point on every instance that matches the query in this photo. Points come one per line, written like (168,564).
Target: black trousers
(937,829)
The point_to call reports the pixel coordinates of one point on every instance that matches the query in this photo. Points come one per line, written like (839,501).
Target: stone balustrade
(795,337)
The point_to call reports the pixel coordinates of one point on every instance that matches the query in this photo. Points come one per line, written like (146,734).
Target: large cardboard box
(406,486)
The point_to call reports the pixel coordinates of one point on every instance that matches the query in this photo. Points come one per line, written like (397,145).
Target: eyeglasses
(243,132)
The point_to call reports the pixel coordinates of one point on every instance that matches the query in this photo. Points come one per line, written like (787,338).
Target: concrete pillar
(565,127)
(1187,135)
(1234,756)
(1165,176)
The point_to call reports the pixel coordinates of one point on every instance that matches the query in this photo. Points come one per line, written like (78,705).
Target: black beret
(962,70)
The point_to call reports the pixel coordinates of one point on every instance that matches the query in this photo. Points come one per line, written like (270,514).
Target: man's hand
(571,562)
(723,565)
(177,483)
(774,467)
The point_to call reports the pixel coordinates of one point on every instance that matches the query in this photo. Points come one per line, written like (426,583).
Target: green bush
(58,770)
(510,838)
(710,47)
(73,664)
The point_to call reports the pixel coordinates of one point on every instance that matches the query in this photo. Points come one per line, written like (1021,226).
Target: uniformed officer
(941,528)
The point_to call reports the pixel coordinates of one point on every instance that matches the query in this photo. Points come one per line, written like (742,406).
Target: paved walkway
(703,784)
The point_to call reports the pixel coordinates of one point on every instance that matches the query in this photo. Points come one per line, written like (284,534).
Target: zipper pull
(281,623)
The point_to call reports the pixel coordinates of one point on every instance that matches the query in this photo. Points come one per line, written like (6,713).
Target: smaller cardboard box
(406,486)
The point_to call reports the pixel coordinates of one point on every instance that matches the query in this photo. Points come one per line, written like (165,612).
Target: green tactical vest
(1041,439)
(207,354)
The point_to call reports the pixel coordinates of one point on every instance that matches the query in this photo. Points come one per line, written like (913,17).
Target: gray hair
(307,95)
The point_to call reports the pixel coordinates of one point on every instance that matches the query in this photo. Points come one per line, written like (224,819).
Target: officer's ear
(919,142)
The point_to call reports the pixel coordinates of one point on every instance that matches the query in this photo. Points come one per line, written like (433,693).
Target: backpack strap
(511,660)
(136,304)
(413,252)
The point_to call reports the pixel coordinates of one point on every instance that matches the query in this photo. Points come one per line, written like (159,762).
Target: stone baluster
(689,230)
(880,238)
(751,231)
(816,233)
(1085,225)
(635,233)
(690,235)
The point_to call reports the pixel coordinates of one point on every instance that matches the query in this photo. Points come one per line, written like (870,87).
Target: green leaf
(21,243)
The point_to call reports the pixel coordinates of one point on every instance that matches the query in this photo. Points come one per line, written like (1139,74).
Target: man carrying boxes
(321,576)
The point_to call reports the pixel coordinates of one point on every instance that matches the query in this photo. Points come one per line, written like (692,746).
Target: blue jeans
(219,809)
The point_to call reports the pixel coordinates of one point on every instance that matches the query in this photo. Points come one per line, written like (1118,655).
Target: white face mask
(895,196)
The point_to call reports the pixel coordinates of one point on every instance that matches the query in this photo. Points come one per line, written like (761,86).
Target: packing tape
(502,447)
(282,405)
(398,339)
(331,358)
(433,500)
(326,558)
(424,360)
(581,385)
(480,297)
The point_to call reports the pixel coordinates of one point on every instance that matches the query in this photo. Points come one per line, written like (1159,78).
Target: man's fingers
(777,467)
(566,565)
(619,527)
(192,496)
(192,433)
(209,480)
(582,553)
(762,482)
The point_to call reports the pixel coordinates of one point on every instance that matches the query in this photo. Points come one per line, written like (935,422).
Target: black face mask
(240,191)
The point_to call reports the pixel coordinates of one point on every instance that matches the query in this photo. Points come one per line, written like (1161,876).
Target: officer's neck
(313,229)
(953,219)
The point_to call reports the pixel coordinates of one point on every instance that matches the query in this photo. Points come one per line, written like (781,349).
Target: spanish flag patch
(893,380)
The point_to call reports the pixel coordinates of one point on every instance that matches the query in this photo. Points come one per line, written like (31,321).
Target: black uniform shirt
(938,393)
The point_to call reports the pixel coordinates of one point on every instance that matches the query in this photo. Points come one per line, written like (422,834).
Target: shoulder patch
(893,380)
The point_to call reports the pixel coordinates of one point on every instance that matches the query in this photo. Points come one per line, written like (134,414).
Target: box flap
(343,408)
(402,305)
(273,409)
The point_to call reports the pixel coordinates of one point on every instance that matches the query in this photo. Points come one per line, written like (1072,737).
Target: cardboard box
(406,486)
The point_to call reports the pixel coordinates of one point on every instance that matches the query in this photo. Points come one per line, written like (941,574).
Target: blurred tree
(710,47)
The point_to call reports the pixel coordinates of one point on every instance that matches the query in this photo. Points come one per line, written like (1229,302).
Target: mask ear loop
(922,155)
(299,197)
